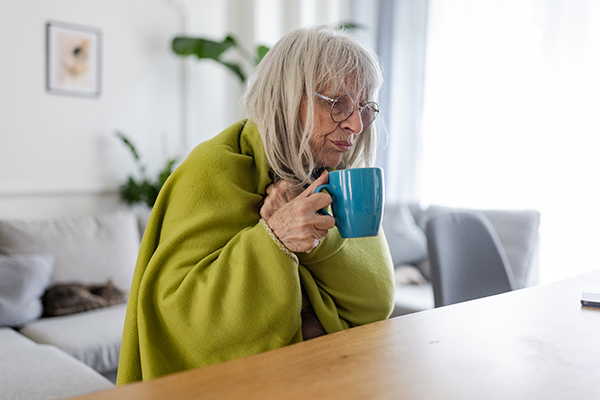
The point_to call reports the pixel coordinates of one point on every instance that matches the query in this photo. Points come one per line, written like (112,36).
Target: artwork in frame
(72,59)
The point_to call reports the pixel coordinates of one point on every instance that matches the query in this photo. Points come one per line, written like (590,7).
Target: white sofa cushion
(413,298)
(32,371)
(93,337)
(86,249)
(23,280)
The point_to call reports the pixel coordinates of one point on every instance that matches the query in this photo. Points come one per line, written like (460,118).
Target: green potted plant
(143,189)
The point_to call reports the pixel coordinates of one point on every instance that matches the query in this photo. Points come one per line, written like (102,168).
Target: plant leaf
(130,191)
(129,144)
(261,51)
(166,172)
(148,192)
(202,48)
(349,26)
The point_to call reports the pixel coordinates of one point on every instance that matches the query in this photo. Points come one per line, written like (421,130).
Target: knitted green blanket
(211,284)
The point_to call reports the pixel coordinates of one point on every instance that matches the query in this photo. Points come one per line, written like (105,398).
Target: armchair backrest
(467,258)
(518,231)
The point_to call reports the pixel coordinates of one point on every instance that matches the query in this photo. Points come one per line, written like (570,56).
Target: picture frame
(73,59)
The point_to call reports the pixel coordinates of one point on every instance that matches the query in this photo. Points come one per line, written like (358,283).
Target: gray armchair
(466,257)
(405,225)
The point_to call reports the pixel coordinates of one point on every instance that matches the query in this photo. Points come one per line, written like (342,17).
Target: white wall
(59,155)
(65,146)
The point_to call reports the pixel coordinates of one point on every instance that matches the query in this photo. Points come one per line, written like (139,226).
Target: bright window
(512,118)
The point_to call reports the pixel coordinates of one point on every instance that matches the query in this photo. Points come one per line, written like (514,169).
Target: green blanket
(210,283)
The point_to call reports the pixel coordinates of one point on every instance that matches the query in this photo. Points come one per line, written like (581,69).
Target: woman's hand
(278,195)
(296,222)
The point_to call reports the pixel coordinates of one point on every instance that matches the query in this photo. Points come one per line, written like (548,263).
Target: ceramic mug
(357,200)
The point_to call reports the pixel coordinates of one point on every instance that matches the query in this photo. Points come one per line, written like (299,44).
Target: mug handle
(318,189)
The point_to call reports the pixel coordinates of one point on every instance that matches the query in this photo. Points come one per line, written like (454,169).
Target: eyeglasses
(343,107)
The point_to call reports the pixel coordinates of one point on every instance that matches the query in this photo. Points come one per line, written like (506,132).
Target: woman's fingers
(296,221)
(318,201)
(298,225)
(324,223)
(278,195)
(321,180)
(266,211)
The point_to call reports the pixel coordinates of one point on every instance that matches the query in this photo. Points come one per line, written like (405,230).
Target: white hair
(307,61)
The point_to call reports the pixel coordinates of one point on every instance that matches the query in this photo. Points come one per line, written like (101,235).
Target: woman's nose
(354,123)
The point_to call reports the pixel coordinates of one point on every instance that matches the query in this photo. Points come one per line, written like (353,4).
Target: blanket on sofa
(211,284)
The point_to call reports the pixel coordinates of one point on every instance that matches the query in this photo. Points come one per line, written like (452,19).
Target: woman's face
(331,140)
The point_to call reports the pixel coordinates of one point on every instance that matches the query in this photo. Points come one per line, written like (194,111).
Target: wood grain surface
(534,343)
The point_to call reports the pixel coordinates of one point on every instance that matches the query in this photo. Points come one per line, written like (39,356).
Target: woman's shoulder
(240,138)
(226,138)
(236,148)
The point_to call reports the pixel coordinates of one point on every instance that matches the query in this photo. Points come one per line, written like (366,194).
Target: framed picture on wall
(72,59)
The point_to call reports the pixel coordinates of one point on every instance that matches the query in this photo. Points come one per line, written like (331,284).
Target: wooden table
(535,343)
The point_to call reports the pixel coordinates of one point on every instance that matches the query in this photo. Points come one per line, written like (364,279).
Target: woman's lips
(345,146)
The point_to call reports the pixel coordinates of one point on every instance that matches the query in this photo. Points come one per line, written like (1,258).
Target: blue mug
(357,200)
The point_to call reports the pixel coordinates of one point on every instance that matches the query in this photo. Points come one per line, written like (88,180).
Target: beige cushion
(87,249)
(93,337)
(32,371)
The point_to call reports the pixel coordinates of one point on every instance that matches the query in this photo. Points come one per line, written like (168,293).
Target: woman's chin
(334,163)
(330,164)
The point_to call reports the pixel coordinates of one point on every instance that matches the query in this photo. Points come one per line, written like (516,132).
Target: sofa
(62,356)
(76,353)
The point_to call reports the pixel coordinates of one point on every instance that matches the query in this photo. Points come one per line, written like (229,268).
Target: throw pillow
(72,298)
(23,279)
(407,242)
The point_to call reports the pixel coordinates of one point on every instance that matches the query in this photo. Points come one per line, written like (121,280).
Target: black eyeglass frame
(371,104)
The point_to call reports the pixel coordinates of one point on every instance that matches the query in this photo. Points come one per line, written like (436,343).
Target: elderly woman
(236,258)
